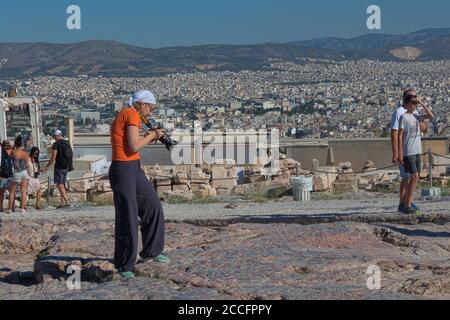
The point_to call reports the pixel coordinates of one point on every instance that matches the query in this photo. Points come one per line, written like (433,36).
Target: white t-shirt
(412,141)
(395,119)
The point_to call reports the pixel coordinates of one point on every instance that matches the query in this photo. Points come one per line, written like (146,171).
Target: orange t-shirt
(119,138)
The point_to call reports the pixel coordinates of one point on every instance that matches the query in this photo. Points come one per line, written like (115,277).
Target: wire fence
(294,169)
(291,168)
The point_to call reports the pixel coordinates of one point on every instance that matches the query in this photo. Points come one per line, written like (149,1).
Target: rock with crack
(61,268)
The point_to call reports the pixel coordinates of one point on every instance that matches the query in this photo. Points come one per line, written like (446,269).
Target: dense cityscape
(308,99)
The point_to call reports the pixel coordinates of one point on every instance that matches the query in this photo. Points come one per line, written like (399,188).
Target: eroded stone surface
(230,261)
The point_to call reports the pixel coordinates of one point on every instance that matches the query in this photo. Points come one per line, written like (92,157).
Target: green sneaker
(127,275)
(162,259)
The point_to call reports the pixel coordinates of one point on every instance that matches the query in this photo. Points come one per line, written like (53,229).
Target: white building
(235,105)
(268,105)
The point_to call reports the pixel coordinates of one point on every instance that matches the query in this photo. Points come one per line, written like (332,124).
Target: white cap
(142,96)
(57,133)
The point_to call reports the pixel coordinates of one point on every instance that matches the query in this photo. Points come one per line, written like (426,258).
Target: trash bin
(302,188)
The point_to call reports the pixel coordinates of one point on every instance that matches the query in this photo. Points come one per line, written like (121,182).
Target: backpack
(6,169)
(64,159)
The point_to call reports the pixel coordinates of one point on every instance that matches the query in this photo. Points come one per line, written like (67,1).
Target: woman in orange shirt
(134,196)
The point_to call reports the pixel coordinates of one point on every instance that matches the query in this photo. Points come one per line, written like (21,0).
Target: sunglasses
(412,97)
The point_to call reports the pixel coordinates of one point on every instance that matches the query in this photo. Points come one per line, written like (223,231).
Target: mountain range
(111,58)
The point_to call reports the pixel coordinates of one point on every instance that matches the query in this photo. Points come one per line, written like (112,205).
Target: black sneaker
(409,210)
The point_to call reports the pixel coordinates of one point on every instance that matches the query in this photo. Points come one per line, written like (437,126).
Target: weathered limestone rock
(80,186)
(164,191)
(163,182)
(198,176)
(347,175)
(291,164)
(224,179)
(223,191)
(254,178)
(153,171)
(369,166)
(163,186)
(323,181)
(180,189)
(282,175)
(203,191)
(24,237)
(228,183)
(263,188)
(78,197)
(219,172)
(345,165)
(364,184)
(260,162)
(102,186)
(178,192)
(181,178)
(341,187)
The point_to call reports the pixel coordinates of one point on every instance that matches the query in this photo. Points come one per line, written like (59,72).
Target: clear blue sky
(160,23)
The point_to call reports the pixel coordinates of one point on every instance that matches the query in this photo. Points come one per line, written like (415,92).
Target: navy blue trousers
(135,198)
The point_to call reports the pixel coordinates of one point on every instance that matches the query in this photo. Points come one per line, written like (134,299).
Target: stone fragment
(323,180)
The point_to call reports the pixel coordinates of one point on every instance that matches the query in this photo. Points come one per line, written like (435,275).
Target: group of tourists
(21,169)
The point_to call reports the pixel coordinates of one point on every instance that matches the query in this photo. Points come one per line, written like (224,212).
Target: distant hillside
(432,44)
(114,58)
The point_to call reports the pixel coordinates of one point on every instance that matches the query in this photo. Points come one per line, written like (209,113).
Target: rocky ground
(237,250)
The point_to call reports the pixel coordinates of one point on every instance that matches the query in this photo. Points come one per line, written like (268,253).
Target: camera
(165,139)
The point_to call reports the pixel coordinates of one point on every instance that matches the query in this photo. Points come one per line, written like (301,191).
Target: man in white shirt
(395,124)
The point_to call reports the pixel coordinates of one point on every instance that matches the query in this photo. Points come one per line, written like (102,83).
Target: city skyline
(177,23)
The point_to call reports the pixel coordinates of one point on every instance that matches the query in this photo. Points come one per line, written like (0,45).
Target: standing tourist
(134,196)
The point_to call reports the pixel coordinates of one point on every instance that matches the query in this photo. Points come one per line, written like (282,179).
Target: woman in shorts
(34,185)
(21,161)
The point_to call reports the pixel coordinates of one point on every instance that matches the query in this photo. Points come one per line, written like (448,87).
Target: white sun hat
(144,96)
